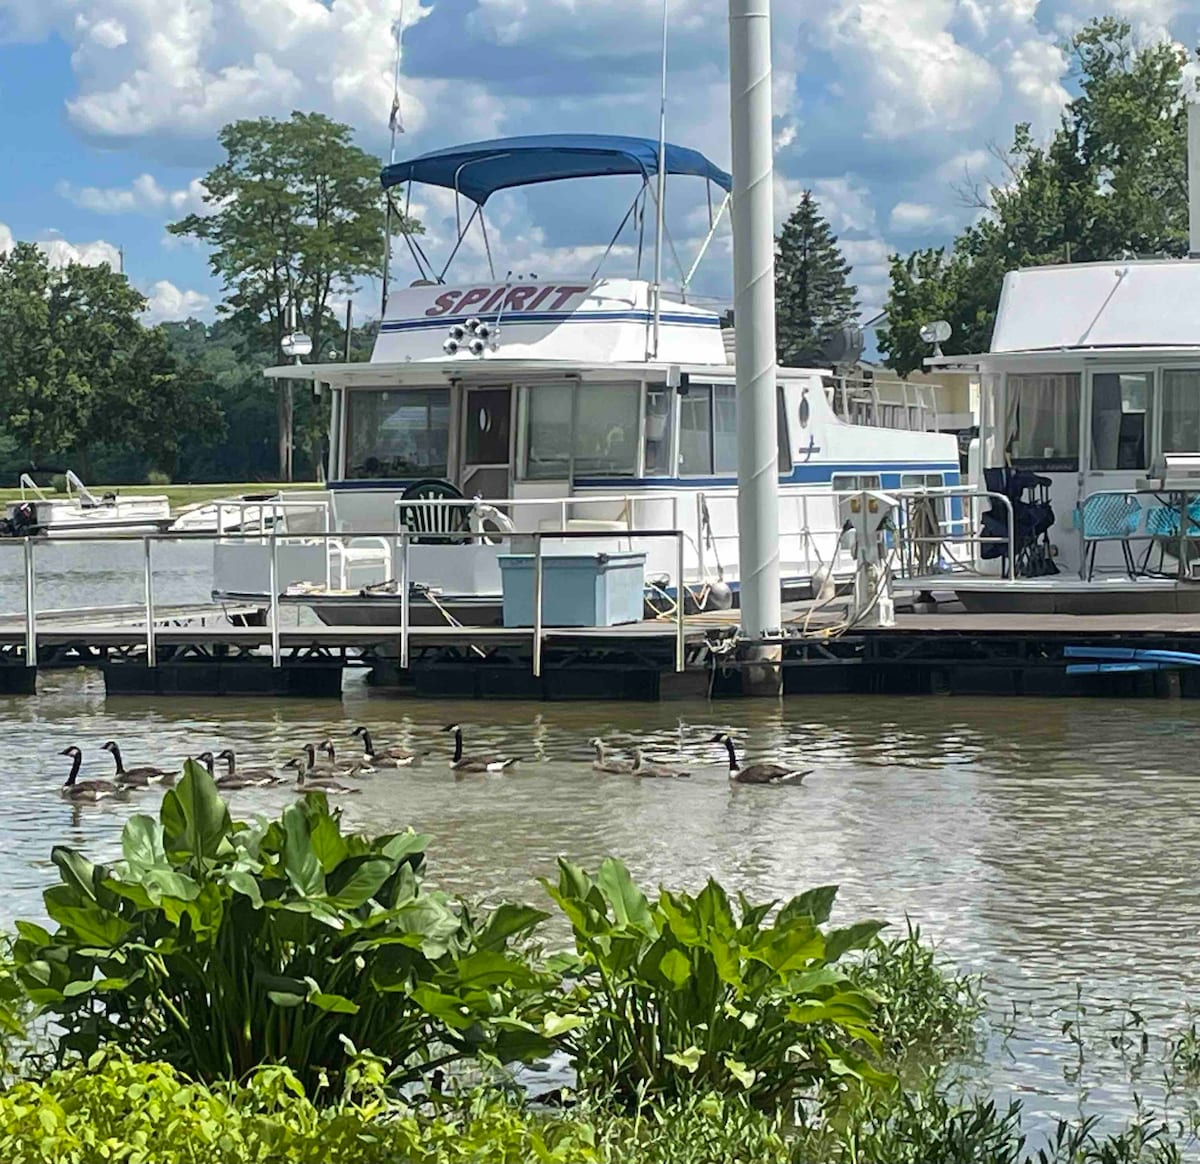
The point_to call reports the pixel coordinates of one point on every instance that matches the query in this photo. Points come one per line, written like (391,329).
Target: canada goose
(236,778)
(758,773)
(650,769)
(206,758)
(141,777)
(338,767)
(461,763)
(602,762)
(85,790)
(305,782)
(383,757)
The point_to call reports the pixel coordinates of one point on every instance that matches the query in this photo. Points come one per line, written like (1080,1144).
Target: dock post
(31,645)
(151,645)
(537,605)
(680,598)
(754,318)
(276,659)
(404,613)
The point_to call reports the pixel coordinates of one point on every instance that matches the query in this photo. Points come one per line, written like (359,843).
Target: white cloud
(61,253)
(918,218)
(165,301)
(7,241)
(144,195)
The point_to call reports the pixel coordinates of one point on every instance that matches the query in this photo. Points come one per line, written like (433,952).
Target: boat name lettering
(518,299)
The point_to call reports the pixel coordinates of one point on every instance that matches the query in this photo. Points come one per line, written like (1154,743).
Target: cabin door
(487,443)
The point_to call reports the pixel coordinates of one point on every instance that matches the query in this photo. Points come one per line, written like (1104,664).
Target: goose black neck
(733,760)
(368,747)
(118,759)
(76,764)
(457,744)
(231,763)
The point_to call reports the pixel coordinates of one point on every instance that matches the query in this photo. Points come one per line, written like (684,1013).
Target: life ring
(487,521)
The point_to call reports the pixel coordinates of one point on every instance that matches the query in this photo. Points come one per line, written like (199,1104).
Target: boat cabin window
(1181,410)
(660,412)
(1043,420)
(708,430)
(582,430)
(397,433)
(1120,419)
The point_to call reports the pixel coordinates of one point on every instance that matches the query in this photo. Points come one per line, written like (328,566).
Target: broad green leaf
(743,1074)
(675,968)
(89,924)
(244,883)
(332,1003)
(362,883)
(855,937)
(142,843)
(485,968)
(507,922)
(628,903)
(554,1025)
(299,860)
(327,843)
(195,820)
(76,871)
(285,999)
(689,1060)
(816,904)
(405,845)
(34,933)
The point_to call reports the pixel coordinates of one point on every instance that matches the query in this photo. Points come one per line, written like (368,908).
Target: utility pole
(754,310)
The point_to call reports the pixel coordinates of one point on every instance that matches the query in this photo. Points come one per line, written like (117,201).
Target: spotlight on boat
(451,346)
(477,347)
(458,332)
(473,325)
(485,331)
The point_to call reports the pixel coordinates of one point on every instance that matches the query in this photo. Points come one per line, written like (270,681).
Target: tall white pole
(754,314)
(1193,172)
(661,207)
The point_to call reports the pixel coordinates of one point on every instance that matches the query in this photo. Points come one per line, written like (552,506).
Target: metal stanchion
(151,645)
(276,658)
(537,605)
(680,594)
(31,647)
(402,581)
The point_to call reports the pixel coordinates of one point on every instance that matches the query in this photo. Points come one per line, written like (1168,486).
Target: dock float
(942,653)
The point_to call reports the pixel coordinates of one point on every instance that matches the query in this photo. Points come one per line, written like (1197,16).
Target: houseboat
(602,405)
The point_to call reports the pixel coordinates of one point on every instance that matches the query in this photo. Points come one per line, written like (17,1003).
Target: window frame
(1153,424)
(357,394)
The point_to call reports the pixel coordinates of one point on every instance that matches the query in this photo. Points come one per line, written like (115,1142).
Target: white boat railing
(399,543)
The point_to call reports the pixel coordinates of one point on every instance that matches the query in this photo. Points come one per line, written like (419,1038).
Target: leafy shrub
(59,483)
(158,477)
(926,1012)
(217,947)
(686,994)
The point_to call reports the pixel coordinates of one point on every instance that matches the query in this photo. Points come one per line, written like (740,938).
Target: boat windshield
(398,434)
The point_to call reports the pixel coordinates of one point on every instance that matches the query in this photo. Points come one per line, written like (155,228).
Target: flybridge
(603,322)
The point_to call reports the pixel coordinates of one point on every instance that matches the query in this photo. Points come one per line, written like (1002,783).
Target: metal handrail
(400,540)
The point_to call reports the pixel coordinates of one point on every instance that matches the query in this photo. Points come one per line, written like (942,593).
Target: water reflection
(1043,843)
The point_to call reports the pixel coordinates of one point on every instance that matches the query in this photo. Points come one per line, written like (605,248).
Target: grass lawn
(179,495)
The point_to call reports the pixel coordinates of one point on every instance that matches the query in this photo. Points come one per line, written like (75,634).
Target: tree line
(294,218)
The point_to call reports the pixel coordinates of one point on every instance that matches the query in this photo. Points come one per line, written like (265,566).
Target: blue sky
(109,111)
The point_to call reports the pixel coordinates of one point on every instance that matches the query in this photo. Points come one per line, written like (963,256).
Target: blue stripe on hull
(442,322)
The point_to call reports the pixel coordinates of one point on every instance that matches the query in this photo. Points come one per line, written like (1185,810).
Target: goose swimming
(89,791)
(461,763)
(762,773)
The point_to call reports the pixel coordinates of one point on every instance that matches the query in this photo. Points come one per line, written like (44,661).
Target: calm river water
(1047,845)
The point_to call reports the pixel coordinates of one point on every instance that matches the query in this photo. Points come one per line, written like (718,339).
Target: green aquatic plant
(926,1011)
(218,946)
(694,993)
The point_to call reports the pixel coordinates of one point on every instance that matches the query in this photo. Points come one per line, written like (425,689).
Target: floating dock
(200,652)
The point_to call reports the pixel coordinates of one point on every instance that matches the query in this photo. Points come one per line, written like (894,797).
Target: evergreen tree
(813,296)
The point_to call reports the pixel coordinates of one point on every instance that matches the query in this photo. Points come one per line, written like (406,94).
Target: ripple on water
(1045,844)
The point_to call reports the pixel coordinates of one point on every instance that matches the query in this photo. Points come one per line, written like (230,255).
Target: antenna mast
(395,125)
(661,200)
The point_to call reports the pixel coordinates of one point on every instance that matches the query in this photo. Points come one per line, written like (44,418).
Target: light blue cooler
(577,589)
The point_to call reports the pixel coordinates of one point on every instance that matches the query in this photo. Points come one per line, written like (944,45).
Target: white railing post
(151,645)
(537,605)
(31,645)
(276,658)
(402,582)
(680,594)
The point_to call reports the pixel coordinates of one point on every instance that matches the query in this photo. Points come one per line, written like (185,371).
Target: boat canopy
(479,170)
